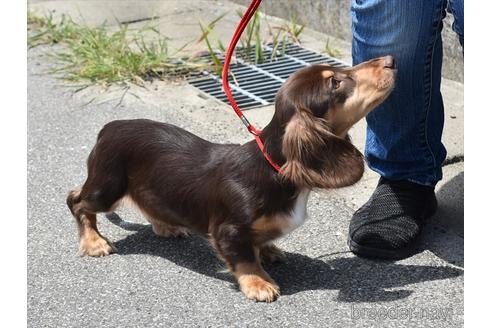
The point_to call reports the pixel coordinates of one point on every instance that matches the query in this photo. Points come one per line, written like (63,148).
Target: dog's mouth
(382,88)
(384,84)
(387,82)
(389,74)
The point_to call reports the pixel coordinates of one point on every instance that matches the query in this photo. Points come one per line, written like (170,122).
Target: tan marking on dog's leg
(255,283)
(91,242)
(270,253)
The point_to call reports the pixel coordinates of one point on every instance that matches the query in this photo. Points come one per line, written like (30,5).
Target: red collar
(225,82)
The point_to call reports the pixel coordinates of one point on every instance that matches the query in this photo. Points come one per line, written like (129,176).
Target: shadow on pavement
(451,211)
(444,236)
(358,280)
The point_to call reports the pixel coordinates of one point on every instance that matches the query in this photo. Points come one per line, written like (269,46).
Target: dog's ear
(315,157)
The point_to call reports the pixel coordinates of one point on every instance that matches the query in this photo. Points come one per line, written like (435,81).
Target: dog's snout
(389,62)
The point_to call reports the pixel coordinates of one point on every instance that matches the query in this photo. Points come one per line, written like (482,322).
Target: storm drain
(256,85)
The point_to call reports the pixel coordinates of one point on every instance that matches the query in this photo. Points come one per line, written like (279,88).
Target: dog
(229,193)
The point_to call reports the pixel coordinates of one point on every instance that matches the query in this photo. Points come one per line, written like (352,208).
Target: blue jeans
(404,133)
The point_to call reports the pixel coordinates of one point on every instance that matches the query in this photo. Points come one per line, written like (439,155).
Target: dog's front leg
(243,260)
(254,282)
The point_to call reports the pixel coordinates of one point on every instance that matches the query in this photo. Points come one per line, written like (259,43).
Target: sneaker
(389,224)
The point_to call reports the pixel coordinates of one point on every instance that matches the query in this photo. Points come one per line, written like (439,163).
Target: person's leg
(403,142)
(404,133)
(456,7)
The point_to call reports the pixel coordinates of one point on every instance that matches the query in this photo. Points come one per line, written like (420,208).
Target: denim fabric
(456,7)
(404,133)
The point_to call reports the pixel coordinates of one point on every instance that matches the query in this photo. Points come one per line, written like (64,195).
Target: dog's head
(316,107)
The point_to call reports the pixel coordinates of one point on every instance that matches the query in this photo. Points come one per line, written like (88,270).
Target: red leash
(225,82)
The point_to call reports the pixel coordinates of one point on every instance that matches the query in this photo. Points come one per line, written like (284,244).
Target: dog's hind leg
(104,187)
(91,242)
(160,226)
(163,229)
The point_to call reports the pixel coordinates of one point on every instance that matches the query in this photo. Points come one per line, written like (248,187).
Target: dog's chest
(298,213)
(281,224)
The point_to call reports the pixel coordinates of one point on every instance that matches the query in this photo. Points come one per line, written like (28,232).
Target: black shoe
(389,224)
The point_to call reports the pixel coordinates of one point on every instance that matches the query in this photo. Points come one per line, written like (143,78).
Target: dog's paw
(271,254)
(257,288)
(96,246)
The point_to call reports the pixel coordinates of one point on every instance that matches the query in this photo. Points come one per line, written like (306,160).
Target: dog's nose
(389,62)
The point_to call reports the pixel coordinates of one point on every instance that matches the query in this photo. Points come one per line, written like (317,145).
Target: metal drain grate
(258,84)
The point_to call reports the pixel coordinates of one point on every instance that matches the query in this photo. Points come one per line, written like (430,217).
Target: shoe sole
(385,254)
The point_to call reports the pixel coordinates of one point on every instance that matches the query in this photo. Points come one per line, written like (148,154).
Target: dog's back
(161,167)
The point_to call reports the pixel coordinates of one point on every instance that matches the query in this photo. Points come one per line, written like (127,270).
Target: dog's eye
(335,83)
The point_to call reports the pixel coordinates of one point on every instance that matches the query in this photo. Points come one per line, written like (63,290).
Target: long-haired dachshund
(230,193)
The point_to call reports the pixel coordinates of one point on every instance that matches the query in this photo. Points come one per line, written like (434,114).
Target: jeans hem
(427,182)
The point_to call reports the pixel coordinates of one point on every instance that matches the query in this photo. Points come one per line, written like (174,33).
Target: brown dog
(230,193)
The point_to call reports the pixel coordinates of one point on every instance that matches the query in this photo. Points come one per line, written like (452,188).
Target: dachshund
(229,193)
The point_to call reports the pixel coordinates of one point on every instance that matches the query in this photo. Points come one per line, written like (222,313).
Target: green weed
(251,45)
(96,55)
(330,50)
(209,36)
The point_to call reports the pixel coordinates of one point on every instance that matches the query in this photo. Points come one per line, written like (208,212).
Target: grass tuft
(97,55)
(251,44)
(330,50)
(100,55)
(208,36)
